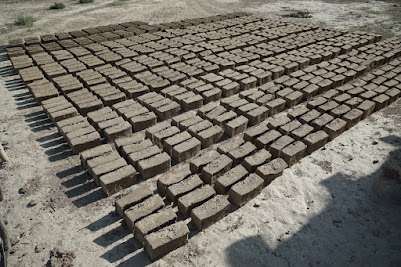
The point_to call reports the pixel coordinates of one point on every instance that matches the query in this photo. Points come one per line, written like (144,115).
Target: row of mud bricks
(229,104)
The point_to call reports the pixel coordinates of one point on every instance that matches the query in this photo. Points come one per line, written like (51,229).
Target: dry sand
(322,211)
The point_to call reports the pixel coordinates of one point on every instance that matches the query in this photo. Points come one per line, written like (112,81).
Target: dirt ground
(322,211)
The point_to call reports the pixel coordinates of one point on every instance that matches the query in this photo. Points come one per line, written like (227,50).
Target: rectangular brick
(335,128)
(253,161)
(155,165)
(117,180)
(186,149)
(94,152)
(167,239)
(174,176)
(134,197)
(215,169)
(85,142)
(141,210)
(238,154)
(271,170)
(195,198)
(293,152)
(210,212)
(183,187)
(352,117)
(210,136)
(236,126)
(243,191)
(224,182)
(316,140)
(153,223)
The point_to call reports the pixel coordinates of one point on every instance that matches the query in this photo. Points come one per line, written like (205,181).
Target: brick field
(214,108)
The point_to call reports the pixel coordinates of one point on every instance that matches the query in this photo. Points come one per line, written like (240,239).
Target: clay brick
(302,131)
(198,163)
(224,182)
(236,126)
(257,115)
(172,177)
(134,197)
(186,149)
(265,140)
(153,223)
(297,112)
(229,145)
(167,239)
(253,161)
(309,116)
(293,152)
(210,136)
(117,180)
(277,146)
(156,128)
(155,165)
(170,142)
(215,169)
(223,118)
(245,190)
(195,198)
(182,117)
(183,187)
(108,166)
(118,130)
(316,140)
(278,121)
(85,142)
(210,212)
(352,117)
(94,152)
(321,121)
(367,107)
(141,210)
(335,128)
(63,114)
(252,133)
(276,105)
(238,154)
(134,157)
(289,127)
(159,137)
(271,170)
(381,101)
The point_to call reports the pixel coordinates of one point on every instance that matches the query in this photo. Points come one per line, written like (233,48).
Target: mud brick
(238,104)
(239,153)
(248,83)
(276,105)
(321,121)
(198,163)
(110,122)
(172,177)
(223,118)
(153,223)
(64,114)
(156,128)
(381,101)
(354,102)
(170,142)
(143,121)
(189,122)
(167,239)
(175,191)
(210,136)
(253,161)
(141,210)
(257,115)
(117,180)
(340,111)
(78,132)
(94,152)
(356,91)
(134,197)
(342,98)
(314,103)
(230,89)
(279,144)
(210,212)
(134,157)
(245,190)
(118,130)
(294,152)
(297,112)
(199,127)
(367,107)
(368,95)
(236,126)
(393,93)
(215,169)
(252,133)
(267,138)
(289,127)
(302,131)
(310,91)
(335,128)
(195,198)
(186,149)
(168,111)
(293,98)
(135,147)
(271,170)
(192,102)
(105,164)
(352,117)
(124,141)
(182,117)
(309,116)
(155,165)
(224,182)
(316,140)
(158,137)
(214,113)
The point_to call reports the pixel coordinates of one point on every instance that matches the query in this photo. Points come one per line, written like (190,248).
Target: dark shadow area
(123,249)
(92,197)
(6,71)
(140,260)
(358,229)
(14,85)
(103,222)
(112,236)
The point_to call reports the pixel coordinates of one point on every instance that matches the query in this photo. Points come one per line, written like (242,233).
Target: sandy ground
(322,211)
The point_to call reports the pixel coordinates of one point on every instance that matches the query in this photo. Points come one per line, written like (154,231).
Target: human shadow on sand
(343,240)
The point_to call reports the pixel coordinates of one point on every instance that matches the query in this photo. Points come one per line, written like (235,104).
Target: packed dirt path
(322,211)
